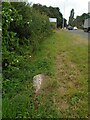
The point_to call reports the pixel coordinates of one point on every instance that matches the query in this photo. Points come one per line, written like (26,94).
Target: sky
(65,6)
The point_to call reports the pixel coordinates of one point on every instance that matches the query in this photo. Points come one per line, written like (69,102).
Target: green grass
(0,96)
(63,58)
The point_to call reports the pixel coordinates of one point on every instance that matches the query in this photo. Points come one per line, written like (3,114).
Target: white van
(86,26)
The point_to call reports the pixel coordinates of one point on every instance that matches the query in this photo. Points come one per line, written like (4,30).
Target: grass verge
(63,58)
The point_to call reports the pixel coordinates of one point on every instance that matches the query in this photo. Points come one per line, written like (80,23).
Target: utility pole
(63,17)
(63,23)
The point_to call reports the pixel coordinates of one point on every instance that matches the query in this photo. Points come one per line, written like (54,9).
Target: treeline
(79,20)
(53,12)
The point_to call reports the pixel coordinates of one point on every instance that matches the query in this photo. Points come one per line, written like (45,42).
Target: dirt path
(67,75)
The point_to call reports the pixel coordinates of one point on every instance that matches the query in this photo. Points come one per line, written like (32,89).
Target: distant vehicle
(86,26)
(74,28)
(70,28)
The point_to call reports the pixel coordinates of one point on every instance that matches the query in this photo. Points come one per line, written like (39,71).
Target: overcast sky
(80,6)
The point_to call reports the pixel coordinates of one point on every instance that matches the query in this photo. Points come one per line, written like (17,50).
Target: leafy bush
(24,28)
(52,12)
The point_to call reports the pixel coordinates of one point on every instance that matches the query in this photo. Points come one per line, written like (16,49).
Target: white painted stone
(37,81)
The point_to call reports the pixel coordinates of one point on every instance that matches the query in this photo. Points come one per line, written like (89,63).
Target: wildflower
(6,20)
(15,33)
(27,22)
(30,56)
(5,64)
(10,10)
(17,61)
(11,19)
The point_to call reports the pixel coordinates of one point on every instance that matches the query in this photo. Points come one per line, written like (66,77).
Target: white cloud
(79,6)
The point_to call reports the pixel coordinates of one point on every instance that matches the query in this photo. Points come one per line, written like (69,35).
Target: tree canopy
(71,18)
(79,20)
(53,12)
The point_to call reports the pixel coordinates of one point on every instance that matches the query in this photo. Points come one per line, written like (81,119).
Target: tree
(79,20)
(53,12)
(71,18)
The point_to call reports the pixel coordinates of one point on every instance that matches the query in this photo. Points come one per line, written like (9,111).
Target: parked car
(74,28)
(70,28)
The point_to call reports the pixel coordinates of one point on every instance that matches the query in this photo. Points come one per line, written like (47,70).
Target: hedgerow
(22,28)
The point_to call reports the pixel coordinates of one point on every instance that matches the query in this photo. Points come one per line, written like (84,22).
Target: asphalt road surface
(81,33)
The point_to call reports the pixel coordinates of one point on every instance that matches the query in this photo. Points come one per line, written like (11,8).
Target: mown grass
(0,95)
(63,59)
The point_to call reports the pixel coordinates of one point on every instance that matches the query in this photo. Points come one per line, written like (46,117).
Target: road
(81,33)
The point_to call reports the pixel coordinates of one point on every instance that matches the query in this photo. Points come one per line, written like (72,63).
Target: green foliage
(21,27)
(19,100)
(18,93)
(52,12)
(10,41)
(26,54)
(79,21)
(24,29)
(71,18)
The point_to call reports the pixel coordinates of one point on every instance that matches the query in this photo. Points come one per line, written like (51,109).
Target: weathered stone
(37,81)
